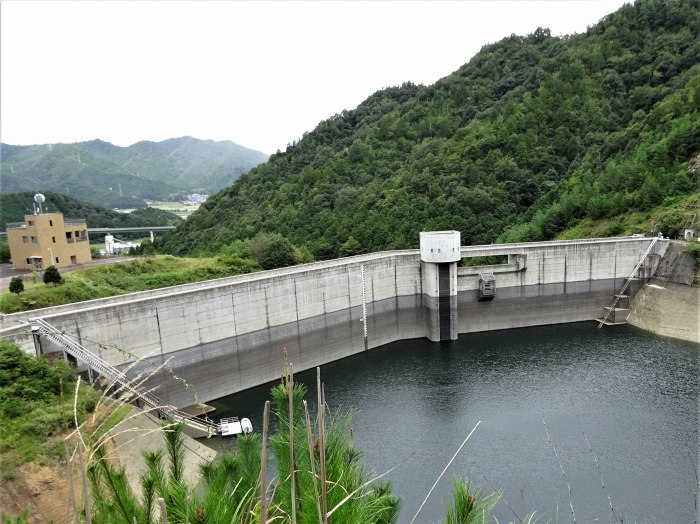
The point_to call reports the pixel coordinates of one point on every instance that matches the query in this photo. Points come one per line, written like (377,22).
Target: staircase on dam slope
(119,383)
(621,302)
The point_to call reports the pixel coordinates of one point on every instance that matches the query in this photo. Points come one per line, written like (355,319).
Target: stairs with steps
(118,384)
(641,271)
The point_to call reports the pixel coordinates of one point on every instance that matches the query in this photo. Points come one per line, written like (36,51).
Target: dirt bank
(42,486)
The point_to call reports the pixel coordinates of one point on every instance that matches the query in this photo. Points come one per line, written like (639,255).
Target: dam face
(223,336)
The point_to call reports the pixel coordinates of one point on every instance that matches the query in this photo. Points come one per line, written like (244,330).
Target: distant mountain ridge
(113,176)
(14,206)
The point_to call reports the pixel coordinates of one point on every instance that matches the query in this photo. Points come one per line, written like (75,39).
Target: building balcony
(15,225)
(74,223)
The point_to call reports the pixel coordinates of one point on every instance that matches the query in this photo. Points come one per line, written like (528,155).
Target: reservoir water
(621,396)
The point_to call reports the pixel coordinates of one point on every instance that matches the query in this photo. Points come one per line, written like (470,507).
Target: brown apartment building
(46,239)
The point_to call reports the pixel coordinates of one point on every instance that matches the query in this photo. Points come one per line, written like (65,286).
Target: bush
(4,252)
(27,378)
(16,285)
(614,228)
(693,248)
(272,250)
(52,276)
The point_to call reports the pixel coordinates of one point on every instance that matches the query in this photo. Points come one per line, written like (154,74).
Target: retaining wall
(668,309)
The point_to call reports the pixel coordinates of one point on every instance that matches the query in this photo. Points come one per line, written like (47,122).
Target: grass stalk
(571,503)
(263,464)
(312,460)
(86,488)
(597,465)
(71,492)
(502,497)
(290,390)
(163,510)
(443,471)
(322,446)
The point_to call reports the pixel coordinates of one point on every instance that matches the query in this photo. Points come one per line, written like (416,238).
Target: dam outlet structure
(202,341)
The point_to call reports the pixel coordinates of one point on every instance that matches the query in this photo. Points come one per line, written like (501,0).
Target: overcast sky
(257,73)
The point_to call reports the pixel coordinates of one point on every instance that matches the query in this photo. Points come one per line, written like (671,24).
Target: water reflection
(632,395)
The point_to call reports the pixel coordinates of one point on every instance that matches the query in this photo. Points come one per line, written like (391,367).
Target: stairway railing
(628,280)
(118,378)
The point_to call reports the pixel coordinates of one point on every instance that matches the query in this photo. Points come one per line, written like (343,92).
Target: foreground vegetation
(37,403)
(319,471)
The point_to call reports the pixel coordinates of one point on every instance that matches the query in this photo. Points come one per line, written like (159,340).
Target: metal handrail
(627,283)
(118,377)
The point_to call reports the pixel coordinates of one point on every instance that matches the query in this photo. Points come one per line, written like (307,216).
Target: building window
(69,237)
(33,240)
(30,222)
(51,222)
(57,262)
(25,239)
(73,260)
(29,261)
(53,239)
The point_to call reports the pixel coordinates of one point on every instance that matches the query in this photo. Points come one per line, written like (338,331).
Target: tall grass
(126,277)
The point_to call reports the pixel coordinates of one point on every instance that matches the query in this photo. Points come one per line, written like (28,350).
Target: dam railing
(119,382)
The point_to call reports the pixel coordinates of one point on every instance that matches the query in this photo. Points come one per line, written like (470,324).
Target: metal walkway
(119,382)
(612,309)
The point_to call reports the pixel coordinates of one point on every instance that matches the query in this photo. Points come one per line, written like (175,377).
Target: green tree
(16,285)
(4,252)
(52,276)
(350,247)
(272,250)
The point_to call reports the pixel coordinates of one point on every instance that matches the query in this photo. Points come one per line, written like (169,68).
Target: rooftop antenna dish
(39,199)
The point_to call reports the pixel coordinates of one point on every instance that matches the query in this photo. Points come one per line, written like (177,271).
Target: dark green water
(633,396)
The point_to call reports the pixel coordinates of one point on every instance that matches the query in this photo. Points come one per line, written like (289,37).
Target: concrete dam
(210,339)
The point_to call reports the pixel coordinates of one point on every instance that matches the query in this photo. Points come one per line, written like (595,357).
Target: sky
(257,73)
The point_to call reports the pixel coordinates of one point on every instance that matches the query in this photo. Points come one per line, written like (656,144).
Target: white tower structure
(439,253)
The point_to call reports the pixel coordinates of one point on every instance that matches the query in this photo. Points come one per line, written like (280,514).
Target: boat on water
(231,426)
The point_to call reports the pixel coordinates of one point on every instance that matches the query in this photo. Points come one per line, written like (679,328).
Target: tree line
(533,135)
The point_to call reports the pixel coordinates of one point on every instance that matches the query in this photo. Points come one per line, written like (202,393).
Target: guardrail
(118,378)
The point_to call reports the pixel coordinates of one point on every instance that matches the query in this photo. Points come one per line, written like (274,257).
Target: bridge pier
(439,254)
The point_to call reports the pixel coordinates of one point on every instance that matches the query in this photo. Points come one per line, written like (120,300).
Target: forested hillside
(14,206)
(124,177)
(533,135)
